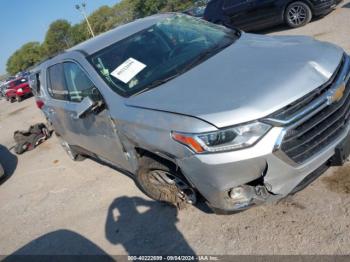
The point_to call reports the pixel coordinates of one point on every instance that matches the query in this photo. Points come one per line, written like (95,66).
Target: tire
(297,14)
(18,99)
(2,172)
(164,184)
(75,156)
(12,100)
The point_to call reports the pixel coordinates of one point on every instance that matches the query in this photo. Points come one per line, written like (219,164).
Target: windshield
(159,53)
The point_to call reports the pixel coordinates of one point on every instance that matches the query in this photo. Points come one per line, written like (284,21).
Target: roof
(106,39)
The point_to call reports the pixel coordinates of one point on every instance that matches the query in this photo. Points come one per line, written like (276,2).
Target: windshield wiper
(197,60)
(204,55)
(156,83)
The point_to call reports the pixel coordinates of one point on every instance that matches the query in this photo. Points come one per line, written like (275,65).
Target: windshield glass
(159,53)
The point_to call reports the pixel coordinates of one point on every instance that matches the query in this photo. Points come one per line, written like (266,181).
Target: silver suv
(195,109)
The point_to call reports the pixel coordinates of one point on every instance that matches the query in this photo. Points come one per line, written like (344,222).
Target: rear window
(57,88)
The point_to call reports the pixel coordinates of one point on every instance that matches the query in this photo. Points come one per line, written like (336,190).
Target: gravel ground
(51,205)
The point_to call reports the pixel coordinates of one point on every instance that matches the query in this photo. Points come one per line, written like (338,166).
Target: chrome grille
(308,138)
(313,122)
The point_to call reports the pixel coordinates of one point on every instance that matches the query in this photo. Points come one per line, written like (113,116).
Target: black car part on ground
(28,140)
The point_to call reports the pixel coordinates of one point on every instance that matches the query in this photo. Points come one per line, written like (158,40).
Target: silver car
(193,109)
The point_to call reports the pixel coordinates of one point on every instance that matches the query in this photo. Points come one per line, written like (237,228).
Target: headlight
(19,90)
(237,137)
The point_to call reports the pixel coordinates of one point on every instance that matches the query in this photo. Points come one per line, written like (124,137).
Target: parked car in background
(153,98)
(18,89)
(22,74)
(10,78)
(3,87)
(40,93)
(197,11)
(259,14)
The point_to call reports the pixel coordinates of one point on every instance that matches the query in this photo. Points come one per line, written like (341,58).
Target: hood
(252,78)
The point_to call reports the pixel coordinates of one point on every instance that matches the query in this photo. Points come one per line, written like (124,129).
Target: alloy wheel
(297,15)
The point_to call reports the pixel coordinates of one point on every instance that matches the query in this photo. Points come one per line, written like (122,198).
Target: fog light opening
(246,195)
(242,196)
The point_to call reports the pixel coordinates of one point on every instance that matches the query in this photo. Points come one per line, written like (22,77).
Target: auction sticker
(128,70)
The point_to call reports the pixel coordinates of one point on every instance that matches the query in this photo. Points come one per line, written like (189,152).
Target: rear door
(264,12)
(237,12)
(58,103)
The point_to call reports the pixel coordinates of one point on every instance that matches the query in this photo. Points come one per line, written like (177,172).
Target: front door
(94,131)
(264,12)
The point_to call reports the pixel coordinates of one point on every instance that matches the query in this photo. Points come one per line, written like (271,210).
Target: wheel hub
(297,15)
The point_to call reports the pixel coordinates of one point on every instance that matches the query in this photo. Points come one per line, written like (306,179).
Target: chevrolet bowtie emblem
(337,94)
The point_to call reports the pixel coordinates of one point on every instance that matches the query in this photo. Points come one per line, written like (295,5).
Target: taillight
(39,104)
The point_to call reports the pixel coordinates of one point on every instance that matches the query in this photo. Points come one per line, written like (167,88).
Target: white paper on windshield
(128,70)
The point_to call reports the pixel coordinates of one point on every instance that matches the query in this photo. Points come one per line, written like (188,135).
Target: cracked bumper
(214,175)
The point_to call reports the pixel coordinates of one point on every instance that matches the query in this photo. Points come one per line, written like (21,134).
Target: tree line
(61,34)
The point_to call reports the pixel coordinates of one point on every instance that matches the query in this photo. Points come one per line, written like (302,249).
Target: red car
(18,89)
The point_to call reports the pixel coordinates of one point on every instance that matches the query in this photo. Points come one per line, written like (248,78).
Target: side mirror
(84,107)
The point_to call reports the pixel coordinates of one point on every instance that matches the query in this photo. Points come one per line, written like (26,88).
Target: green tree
(102,19)
(28,55)
(143,8)
(123,12)
(79,33)
(57,37)
(178,5)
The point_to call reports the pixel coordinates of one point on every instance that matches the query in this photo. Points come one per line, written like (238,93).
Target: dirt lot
(51,205)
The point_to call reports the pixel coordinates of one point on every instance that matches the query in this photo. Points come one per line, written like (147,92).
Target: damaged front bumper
(264,175)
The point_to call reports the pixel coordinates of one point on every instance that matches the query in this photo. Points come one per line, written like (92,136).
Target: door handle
(74,116)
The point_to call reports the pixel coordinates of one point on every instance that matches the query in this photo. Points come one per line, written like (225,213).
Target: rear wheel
(164,184)
(297,14)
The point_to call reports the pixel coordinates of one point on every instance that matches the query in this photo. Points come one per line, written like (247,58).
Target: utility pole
(81,9)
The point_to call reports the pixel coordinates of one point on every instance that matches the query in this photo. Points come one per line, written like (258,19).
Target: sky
(23,21)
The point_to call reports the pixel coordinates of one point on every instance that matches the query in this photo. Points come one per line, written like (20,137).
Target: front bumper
(214,175)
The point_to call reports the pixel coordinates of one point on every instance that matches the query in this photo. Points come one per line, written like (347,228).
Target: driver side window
(78,83)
